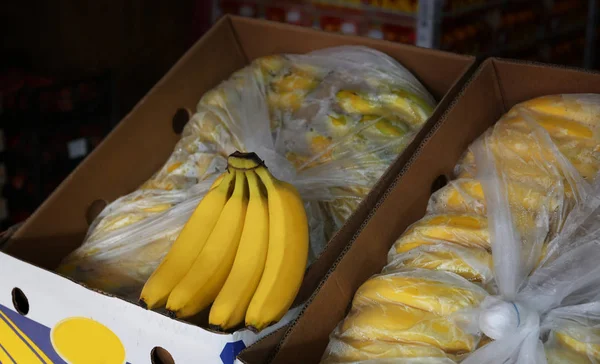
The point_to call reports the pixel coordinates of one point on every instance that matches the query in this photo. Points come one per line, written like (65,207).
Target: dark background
(71,69)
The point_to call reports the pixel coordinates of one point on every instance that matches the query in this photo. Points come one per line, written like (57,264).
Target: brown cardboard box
(494,88)
(146,137)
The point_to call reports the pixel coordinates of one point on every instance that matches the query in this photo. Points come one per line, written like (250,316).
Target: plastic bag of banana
(503,267)
(329,122)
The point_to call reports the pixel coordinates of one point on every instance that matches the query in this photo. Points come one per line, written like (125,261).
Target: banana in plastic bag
(330,122)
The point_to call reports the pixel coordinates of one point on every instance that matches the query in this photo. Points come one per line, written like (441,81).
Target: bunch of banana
(243,250)
(541,148)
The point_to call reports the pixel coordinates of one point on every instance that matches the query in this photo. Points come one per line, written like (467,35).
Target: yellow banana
(465,195)
(286,256)
(231,304)
(386,126)
(352,351)
(286,101)
(353,102)
(294,82)
(473,264)
(562,355)
(561,106)
(412,108)
(441,297)
(188,245)
(591,350)
(462,229)
(393,322)
(207,275)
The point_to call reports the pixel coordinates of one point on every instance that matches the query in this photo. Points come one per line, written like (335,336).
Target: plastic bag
(525,192)
(330,122)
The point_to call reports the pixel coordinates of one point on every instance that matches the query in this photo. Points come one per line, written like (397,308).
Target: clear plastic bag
(525,192)
(330,122)
(574,334)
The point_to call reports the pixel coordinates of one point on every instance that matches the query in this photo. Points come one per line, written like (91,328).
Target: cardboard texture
(137,147)
(494,88)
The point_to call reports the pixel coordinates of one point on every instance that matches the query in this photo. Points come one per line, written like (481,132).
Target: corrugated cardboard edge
(264,354)
(495,61)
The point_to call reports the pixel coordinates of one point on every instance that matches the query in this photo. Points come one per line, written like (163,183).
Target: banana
(231,304)
(473,264)
(590,349)
(386,126)
(207,275)
(285,101)
(576,108)
(294,81)
(286,256)
(357,103)
(353,351)
(562,355)
(437,292)
(187,246)
(462,229)
(413,109)
(393,322)
(466,195)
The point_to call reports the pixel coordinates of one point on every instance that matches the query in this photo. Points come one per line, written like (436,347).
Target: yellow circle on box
(81,340)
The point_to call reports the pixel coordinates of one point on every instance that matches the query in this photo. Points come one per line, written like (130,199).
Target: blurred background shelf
(532,30)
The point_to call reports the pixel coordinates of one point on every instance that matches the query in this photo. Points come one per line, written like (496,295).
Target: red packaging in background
(331,24)
(275,13)
(398,33)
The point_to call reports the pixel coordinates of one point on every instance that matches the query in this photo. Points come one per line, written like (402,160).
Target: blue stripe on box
(37,332)
(23,339)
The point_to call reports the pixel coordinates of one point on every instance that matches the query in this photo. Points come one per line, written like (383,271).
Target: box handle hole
(160,355)
(20,301)
(181,117)
(439,182)
(94,210)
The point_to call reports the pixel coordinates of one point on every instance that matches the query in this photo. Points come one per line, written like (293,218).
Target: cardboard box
(494,88)
(34,299)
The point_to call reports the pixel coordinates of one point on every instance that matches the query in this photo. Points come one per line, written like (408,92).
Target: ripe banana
(230,306)
(466,195)
(441,293)
(473,264)
(354,351)
(286,256)
(562,355)
(462,229)
(207,275)
(188,245)
(393,322)
(589,349)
